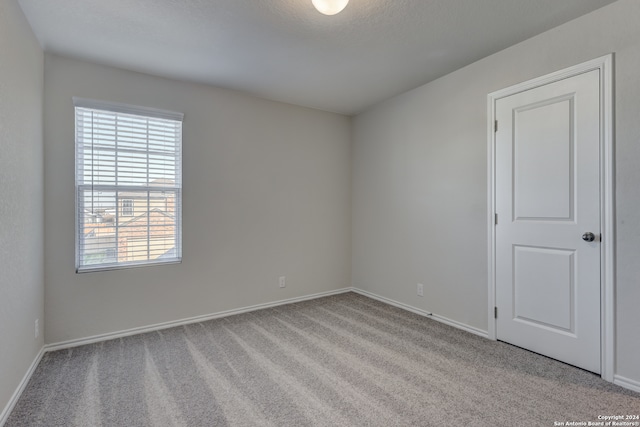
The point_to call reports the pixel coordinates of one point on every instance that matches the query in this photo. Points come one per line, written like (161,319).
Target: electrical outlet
(420,289)
(283,281)
(37,328)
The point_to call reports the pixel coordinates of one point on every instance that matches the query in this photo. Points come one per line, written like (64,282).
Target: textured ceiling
(285,50)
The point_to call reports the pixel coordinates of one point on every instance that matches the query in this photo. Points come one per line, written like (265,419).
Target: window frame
(129,209)
(112,107)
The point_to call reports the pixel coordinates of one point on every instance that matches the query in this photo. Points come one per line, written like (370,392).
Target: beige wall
(266,194)
(21,207)
(420,176)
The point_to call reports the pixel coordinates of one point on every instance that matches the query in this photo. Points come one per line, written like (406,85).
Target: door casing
(607,202)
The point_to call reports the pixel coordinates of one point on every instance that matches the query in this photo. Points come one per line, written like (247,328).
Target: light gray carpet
(345,360)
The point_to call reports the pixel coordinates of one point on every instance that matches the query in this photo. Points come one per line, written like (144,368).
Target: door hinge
(496,219)
(495,312)
(495,126)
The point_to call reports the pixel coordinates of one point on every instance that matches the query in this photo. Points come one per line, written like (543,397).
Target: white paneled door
(547,197)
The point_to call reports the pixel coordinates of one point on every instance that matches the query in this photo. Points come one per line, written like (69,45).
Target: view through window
(128,186)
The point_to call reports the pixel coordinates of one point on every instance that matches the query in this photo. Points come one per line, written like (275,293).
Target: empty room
(319,213)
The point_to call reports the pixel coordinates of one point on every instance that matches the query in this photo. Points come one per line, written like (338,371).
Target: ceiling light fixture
(330,7)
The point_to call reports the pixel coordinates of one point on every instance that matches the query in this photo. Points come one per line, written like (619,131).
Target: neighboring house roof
(99,229)
(161,221)
(144,215)
(162,225)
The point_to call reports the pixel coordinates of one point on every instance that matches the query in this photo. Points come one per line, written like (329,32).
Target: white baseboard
(626,383)
(425,313)
(165,325)
(21,386)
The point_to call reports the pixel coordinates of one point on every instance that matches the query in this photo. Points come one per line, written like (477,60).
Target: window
(127,207)
(128,186)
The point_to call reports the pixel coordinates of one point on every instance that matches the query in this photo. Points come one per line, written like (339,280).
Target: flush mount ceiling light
(330,7)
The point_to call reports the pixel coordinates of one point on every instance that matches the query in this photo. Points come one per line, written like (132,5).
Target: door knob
(588,237)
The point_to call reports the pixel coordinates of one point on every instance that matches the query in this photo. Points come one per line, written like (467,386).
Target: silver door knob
(588,237)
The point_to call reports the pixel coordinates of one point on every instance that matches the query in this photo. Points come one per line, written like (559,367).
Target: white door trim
(607,202)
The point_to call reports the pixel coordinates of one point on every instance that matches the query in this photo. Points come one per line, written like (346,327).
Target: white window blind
(128,186)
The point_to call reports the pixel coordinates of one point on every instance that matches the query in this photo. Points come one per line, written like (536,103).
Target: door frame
(607,201)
